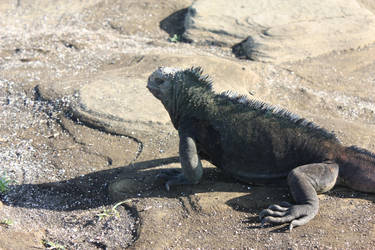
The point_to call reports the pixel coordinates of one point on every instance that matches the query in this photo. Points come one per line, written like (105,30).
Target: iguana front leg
(192,169)
(304,184)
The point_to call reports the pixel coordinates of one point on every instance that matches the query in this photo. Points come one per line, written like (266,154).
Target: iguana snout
(159,83)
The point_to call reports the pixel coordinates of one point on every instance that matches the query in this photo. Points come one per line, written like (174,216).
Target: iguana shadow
(82,192)
(91,190)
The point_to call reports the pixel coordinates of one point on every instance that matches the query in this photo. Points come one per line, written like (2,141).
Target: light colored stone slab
(114,95)
(122,98)
(282,30)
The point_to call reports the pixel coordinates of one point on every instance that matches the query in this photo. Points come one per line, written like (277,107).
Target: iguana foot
(172,177)
(304,183)
(297,215)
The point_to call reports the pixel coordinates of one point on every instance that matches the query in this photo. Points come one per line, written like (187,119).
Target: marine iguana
(256,143)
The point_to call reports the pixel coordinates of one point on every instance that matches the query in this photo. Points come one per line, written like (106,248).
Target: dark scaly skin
(256,143)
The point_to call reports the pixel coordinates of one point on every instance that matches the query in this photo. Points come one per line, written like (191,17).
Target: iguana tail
(357,169)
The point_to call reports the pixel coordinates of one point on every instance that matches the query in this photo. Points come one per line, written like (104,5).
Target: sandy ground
(61,166)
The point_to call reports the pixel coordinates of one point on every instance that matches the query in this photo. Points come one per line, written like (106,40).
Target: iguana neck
(173,104)
(185,101)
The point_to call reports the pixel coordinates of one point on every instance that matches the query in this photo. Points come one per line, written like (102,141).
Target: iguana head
(161,81)
(166,81)
(176,88)
(164,84)
(173,87)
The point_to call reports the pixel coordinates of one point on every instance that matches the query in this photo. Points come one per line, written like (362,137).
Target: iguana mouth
(153,87)
(149,87)
(150,83)
(154,90)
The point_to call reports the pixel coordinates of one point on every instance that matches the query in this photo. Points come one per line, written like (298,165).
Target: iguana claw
(172,177)
(297,215)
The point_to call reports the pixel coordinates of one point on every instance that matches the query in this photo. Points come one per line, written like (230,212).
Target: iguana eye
(159,81)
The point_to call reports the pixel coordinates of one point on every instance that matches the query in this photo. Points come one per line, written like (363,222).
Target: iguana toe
(172,177)
(166,174)
(297,215)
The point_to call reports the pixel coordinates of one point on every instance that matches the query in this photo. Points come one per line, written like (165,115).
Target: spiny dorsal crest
(195,77)
(370,155)
(279,112)
(191,77)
